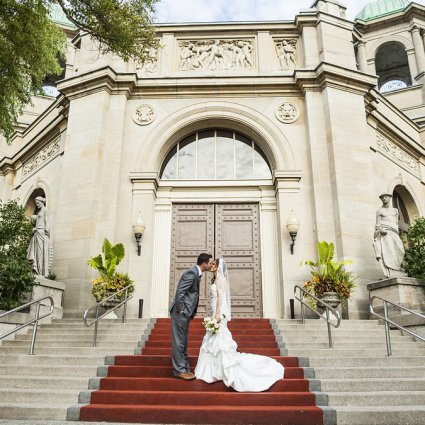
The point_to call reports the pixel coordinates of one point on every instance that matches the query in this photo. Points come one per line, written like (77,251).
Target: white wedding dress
(218,359)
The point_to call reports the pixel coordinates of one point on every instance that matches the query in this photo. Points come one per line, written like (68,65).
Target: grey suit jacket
(187,293)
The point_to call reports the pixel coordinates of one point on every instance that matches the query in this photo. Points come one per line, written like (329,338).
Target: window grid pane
(216,155)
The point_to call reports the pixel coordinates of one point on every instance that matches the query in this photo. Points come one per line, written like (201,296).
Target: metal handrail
(322,303)
(100,304)
(29,322)
(387,320)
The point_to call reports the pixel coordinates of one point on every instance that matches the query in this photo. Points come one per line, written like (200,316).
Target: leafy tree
(16,276)
(31,46)
(414,260)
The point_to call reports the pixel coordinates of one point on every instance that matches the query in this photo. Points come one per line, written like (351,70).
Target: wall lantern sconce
(293,225)
(138,229)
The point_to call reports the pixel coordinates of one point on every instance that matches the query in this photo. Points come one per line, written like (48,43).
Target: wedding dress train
(218,359)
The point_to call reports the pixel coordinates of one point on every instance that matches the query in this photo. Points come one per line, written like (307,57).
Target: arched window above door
(216,155)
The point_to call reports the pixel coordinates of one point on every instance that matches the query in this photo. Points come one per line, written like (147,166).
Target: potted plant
(331,282)
(110,281)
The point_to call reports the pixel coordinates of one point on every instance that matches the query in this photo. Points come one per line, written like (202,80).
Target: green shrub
(414,260)
(16,276)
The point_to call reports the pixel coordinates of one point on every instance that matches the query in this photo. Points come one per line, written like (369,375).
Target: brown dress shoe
(186,376)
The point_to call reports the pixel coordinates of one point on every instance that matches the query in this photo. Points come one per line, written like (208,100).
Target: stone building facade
(225,130)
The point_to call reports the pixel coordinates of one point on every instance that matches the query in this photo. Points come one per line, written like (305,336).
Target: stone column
(161,260)
(361,57)
(270,260)
(419,49)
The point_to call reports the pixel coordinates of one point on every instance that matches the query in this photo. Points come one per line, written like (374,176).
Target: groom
(182,310)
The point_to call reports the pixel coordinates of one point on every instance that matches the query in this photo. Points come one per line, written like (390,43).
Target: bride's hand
(218,318)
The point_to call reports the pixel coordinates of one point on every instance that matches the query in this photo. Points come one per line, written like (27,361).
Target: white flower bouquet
(211,325)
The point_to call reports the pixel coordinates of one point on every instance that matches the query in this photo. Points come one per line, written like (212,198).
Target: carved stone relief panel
(42,157)
(286,50)
(216,54)
(397,154)
(150,66)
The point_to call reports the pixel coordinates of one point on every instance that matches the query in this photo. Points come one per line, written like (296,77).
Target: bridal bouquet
(211,325)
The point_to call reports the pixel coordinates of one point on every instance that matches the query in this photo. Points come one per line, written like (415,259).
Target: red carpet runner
(142,388)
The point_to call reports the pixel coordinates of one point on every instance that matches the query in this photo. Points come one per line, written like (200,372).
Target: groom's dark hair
(203,258)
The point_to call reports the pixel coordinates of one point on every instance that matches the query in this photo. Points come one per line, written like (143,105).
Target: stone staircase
(41,387)
(358,379)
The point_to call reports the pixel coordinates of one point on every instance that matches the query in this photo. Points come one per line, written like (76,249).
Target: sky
(173,11)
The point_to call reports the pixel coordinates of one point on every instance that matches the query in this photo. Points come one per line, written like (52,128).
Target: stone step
(66,343)
(321,339)
(56,396)
(355,345)
(88,338)
(53,370)
(104,351)
(329,352)
(44,382)
(26,359)
(381,415)
(378,398)
(366,361)
(54,422)
(32,411)
(373,384)
(369,372)
(90,332)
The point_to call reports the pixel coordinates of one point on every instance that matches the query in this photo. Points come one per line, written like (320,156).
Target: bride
(218,359)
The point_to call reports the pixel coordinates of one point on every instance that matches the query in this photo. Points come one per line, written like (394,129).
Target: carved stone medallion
(144,114)
(287,113)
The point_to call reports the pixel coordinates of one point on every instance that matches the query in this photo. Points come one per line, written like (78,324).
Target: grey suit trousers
(179,335)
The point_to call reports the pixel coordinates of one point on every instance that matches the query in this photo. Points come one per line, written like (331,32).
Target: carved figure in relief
(186,54)
(286,53)
(215,54)
(389,249)
(39,248)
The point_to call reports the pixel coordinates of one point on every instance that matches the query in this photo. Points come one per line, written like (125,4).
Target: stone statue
(389,249)
(39,248)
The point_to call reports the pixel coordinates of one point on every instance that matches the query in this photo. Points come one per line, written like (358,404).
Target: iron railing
(388,321)
(102,303)
(29,322)
(301,298)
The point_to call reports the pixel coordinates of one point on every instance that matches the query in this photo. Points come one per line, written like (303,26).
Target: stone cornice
(387,126)
(101,79)
(329,75)
(271,84)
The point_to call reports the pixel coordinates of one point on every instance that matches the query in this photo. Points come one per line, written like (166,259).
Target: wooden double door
(229,231)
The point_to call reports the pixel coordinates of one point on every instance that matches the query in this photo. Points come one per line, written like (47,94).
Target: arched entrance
(229,230)
(407,210)
(155,197)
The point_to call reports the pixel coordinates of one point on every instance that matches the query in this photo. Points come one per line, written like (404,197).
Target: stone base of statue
(45,287)
(405,291)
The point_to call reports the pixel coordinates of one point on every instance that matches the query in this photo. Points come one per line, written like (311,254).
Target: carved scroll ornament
(397,154)
(41,157)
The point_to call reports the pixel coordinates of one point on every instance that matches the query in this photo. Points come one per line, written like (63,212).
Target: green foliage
(110,281)
(16,277)
(329,275)
(414,260)
(113,254)
(102,288)
(121,27)
(31,45)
